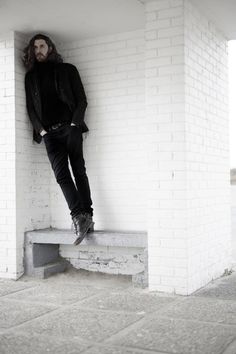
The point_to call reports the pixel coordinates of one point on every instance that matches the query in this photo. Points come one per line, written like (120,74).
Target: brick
(170,32)
(170,13)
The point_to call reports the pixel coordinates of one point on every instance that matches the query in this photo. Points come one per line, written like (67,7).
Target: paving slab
(222,288)
(204,309)
(176,336)
(13,313)
(128,301)
(84,324)
(21,343)
(58,294)
(12,286)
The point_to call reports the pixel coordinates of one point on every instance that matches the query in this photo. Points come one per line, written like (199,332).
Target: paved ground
(82,312)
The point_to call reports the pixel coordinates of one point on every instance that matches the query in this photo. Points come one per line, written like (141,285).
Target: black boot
(82,223)
(91,228)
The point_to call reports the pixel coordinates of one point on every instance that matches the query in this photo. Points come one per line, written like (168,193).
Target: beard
(41,57)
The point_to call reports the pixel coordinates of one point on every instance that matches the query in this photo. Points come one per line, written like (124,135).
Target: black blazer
(70,90)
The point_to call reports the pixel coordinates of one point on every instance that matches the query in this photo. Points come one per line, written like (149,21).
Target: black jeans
(63,143)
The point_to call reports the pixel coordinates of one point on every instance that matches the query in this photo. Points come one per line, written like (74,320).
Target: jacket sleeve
(79,96)
(30,107)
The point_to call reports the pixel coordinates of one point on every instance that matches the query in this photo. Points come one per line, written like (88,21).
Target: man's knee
(63,178)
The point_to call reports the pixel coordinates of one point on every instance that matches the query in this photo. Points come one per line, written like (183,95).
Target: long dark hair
(29,56)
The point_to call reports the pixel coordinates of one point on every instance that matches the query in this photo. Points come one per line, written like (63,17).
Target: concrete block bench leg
(140,280)
(42,260)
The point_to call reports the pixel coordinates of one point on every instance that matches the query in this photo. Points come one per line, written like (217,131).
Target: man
(56,104)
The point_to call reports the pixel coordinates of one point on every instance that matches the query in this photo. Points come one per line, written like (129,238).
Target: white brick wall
(7,157)
(186,88)
(167,237)
(207,132)
(25,174)
(112,71)
(32,169)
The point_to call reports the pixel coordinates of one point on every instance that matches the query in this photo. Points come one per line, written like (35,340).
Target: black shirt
(54,110)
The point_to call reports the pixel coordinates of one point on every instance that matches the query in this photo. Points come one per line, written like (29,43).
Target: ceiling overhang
(80,19)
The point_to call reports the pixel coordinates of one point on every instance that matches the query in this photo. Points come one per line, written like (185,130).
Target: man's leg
(55,143)
(75,150)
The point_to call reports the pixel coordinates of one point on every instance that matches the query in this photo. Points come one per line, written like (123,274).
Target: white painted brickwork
(7,158)
(24,175)
(32,170)
(186,90)
(112,72)
(167,237)
(207,132)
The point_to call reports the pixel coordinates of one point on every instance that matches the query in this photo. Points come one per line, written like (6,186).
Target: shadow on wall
(233,176)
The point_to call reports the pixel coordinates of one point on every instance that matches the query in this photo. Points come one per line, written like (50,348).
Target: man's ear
(49,49)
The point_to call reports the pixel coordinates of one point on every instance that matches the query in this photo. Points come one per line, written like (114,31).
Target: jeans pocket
(76,129)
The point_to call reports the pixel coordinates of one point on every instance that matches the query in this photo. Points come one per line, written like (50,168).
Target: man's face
(41,50)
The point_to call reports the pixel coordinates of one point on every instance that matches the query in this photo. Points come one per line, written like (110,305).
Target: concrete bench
(50,251)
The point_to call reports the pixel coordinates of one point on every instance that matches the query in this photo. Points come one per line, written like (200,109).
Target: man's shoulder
(60,67)
(66,66)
